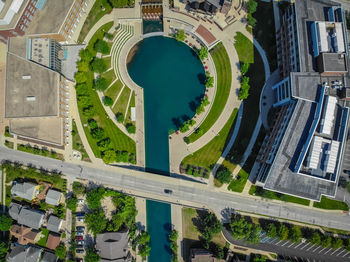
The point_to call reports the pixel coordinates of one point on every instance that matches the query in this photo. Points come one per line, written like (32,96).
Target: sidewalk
(176,220)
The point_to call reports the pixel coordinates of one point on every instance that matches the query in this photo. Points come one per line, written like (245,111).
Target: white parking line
(305,246)
(316,249)
(285,243)
(278,242)
(291,245)
(341,252)
(298,244)
(347,253)
(335,250)
(328,250)
(310,247)
(264,239)
(322,250)
(273,240)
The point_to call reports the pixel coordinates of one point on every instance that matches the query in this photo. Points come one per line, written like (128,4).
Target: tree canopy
(224,176)
(94,197)
(96,221)
(100,84)
(98,65)
(180,35)
(107,101)
(101,46)
(78,188)
(60,251)
(91,256)
(5,222)
(203,52)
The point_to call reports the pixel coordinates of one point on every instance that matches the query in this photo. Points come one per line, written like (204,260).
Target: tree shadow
(202,78)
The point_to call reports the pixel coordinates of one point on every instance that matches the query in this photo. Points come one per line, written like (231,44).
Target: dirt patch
(108,207)
(132,53)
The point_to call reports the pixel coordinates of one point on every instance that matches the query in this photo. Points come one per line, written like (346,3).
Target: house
(49,257)
(25,235)
(53,240)
(201,255)
(112,246)
(53,197)
(54,224)
(26,216)
(25,190)
(21,253)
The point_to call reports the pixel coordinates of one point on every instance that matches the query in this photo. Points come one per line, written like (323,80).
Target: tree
(83,66)
(254,236)
(94,197)
(315,238)
(210,226)
(240,228)
(295,234)
(209,82)
(85,55)
(80,77)
(107,101)
(244,90)
(5,222)
(92,123)
(326,241)
(337,243)
(120,117)
(104,144)
(251,6)
(271,230)
(224,176)
(59,211)
(244,68)
(100,84)
(98,65)
(91,256)
(131,128)
(101,46)
(4,249)
(180,35)
(251,20)
(96,221)
(78,188)
(72,203)
(283,232)
(203,52)
(97,133)
(60,251)
(109,156)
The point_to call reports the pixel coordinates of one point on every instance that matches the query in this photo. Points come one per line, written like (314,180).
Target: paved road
(152,186)
(305,250)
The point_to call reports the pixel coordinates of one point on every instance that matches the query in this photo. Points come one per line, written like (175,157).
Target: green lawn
(209,154)
(114,90)
(77,143)
(237,185)
(42,241)
(109,75)
(122,102)
(259,191)
(107,61)
(224,78)
(132,104)
(331,204)
(244,48)
(98,35)
(95,14)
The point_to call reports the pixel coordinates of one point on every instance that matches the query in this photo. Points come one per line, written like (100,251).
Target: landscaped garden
(331,204)
(77,143)
(224,78)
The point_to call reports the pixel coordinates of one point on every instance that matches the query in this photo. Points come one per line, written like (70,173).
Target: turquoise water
(172,77)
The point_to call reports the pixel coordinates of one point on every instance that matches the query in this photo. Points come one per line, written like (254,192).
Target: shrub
(78,188)
(5,222)
(97,133)
(283,232)
(109,156)
(94,197)
(244,68)
(92,123)
(80,77)
(107,101)
(60,251)
(120,117)
(101,46)
(91,256)
(98,65)
(180,35)
(122,156)
(131,128)
(203,52)
(224,176)
(100,84)
(72,203)
(209,81)
(108,36)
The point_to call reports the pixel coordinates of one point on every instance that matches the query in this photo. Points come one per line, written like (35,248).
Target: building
(21,253)
(112,246)
(210,6)
(201,255)
(25,190)
(53,240)
(34,18)
(49,257)
(53,197)
(26,216)
(303,151)
(25,235)
(54,224)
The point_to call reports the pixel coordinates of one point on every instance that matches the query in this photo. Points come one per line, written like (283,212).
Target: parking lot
(82,239)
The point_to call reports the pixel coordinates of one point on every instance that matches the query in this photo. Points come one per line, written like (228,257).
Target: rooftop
(43,23)
(331,62)
(53,197)
(112,246)
(54,223)
(10,12)
(53,240)
(206,35)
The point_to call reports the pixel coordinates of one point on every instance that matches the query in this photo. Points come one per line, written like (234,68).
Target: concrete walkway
(176,220)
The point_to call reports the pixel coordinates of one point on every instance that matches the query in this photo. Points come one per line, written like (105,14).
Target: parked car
(80,246)
(79,251)
(80,214)
(168,191)
(79,260)
(81,242)
(79,233)
(78,238)
(80,228)
(80,219)
(80,201)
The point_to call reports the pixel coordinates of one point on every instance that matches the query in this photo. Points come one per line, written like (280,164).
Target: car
(168,191)
(81,242)
(80,219)
(80,201)
(80,229)
(78,238)
(80,214)
(79,260)
(80,246)
(79,233)
(79,251)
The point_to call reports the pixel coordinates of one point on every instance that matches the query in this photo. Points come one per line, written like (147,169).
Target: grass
(331,204)
(107,61)
(259,191)
(237,185)
(95,14)
(114,90)
(42,241)
(209,154)
(78,144)
(244,48)
(9,144)
(98,35)
(224,78)
(128,115)
(122,102)
(109,75)
(229,165)
(37,151)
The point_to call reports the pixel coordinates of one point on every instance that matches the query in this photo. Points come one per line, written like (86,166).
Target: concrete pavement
(185,192)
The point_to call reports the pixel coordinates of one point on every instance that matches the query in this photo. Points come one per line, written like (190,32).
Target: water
(149,26)
(172,77)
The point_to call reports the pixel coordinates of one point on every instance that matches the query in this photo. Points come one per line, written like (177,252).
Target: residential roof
(43,23)
(31,217)
(53,197)
(112,245)
(49,257)
(31,89)
(53,241)
(54,223)
(24,234)
(24,190)
(24,254)
(14,210)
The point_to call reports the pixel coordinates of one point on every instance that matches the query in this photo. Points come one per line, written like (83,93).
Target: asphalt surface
(297,251)
(152,186)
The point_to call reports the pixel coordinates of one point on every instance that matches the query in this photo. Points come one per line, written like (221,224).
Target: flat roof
(17,45)
(332,62)
(31,89)
(5,13)
(47,129)
(308,11)
(50,18)
(205,34)
(305,85)
(69,63)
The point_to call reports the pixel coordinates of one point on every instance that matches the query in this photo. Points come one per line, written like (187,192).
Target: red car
(78,238)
